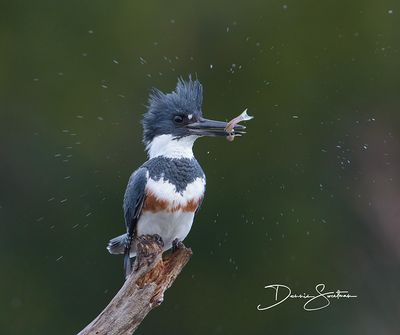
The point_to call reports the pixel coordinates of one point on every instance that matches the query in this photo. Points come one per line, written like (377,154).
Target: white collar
(171,147)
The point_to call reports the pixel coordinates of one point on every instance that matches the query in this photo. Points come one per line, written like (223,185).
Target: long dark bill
(205,127)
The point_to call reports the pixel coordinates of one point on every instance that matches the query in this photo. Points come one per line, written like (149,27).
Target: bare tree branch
(142,291)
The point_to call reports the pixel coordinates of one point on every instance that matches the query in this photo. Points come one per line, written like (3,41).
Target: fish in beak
(231,129)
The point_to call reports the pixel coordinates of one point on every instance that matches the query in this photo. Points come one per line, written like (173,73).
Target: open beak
(205,127)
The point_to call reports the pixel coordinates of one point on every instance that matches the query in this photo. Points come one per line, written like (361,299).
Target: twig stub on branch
(143,289)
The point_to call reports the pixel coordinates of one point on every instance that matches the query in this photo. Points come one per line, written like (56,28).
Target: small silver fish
(232,123)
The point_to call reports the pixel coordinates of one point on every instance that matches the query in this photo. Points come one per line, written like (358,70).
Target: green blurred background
(310,195)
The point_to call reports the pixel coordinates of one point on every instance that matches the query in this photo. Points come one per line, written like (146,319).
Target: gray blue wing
(133,204)
(134,198)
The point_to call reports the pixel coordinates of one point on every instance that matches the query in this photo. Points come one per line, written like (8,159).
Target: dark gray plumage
(178,172)
(159,119)
(133,203)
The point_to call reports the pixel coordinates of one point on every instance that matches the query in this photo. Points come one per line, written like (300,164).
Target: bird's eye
(178,119)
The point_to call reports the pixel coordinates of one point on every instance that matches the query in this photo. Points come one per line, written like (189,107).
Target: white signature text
(313,302)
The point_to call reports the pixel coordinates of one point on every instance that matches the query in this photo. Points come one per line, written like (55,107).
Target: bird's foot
(158,240)
(177,244)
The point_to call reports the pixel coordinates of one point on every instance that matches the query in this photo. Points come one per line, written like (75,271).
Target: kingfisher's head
(175,120)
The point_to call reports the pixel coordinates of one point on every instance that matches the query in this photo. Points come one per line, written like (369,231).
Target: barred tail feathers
(116,246)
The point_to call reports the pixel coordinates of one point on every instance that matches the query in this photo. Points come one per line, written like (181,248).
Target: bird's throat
(171,147)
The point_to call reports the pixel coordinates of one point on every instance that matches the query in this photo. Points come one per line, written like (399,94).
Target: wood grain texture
(142,291)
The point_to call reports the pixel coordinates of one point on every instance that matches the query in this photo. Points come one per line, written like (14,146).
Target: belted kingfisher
(164,194)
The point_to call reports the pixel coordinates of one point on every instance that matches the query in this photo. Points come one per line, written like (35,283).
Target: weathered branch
(142,291)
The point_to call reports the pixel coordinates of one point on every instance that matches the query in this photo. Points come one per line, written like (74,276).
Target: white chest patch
(165,191)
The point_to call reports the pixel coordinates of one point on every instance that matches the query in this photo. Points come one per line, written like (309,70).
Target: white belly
(167,212)
(169,225)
